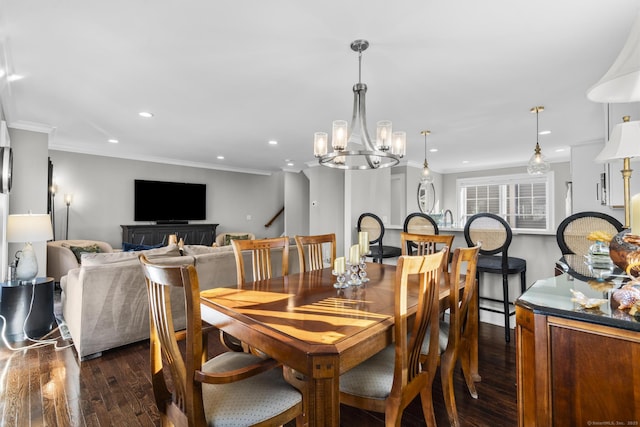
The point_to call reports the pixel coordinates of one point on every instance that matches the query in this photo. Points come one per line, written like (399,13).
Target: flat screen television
(167,202)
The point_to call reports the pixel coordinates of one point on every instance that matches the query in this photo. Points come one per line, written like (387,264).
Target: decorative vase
(624,250)
(27,268)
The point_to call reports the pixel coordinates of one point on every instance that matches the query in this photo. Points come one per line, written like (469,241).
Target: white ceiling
(224,77)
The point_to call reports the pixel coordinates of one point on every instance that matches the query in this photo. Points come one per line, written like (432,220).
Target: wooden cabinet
(575,368)
(192,234)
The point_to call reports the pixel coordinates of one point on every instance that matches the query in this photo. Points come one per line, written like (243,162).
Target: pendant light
(427,176)
(538,164)
(353,149)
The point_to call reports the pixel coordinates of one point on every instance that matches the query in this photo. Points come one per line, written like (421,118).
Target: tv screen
(169,201)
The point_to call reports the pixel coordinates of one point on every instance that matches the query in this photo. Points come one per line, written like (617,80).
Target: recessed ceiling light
(290,164)
(14,77)
(544,132)
(273,142)
(113,141)
(433,150)
(220,157)
(560,150)
(145,114)
(465,162)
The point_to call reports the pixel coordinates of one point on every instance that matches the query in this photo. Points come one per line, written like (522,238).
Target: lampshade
(622,82)
(623,143)
(29,228)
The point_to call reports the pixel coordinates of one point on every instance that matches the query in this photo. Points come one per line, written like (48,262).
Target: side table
(15,301)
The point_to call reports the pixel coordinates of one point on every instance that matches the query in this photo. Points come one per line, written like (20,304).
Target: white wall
(30,180)
(327,203)
(296,205)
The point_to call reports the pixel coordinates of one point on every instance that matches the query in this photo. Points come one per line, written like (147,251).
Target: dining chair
(494,234)
(425,244)
(313,259)
(229,389)
(389,380)
(455,333)
(261,250)
(261,267)
(420,223)
(372,224)
(572,232)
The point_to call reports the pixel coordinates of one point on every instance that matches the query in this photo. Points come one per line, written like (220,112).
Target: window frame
(502,181)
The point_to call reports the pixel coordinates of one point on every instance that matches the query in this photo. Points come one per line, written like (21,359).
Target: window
(524,201)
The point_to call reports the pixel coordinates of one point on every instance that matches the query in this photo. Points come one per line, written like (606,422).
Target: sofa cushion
(202,249)
(79,250)
(117,257)
(229,237)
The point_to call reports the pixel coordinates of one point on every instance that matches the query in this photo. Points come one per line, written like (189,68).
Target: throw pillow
(129,247)
(229,237)
(79,250)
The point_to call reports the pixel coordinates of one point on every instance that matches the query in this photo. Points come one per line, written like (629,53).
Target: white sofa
(104,301)
(61,259)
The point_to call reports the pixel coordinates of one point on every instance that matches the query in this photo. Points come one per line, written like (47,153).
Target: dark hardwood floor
(49,387)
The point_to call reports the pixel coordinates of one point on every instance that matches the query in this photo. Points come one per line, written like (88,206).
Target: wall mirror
(426,197)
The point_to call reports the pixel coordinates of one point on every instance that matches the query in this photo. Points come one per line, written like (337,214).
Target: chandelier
(538,164)
(352,146)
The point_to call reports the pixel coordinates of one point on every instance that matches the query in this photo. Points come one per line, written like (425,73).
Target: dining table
(316,331)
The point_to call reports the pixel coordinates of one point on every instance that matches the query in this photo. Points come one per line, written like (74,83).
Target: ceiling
(222,78)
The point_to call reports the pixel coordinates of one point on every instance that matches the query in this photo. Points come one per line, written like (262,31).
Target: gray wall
(30,168)
(102,190)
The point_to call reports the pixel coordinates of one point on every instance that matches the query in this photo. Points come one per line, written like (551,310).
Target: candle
(635,214)
(354,254)
(338,265)
(363,241)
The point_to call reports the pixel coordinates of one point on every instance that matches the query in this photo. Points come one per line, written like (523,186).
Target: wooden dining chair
(229,389)
(424,244)
(312,258)
(261,250)
(456,333)
(388,381)
(262,268)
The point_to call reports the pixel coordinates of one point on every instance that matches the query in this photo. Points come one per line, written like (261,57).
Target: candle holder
(363,269)
(341,280)
(355,277)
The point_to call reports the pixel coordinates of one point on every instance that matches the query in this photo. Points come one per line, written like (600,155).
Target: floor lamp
(624,144)
(54,190)
(68,198)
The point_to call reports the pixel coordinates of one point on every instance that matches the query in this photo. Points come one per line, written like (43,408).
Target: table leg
(321,392)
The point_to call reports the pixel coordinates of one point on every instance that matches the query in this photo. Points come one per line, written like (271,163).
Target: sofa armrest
(60,260)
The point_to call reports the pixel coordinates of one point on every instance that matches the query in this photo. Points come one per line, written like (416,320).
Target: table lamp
(624,144)
(28,228)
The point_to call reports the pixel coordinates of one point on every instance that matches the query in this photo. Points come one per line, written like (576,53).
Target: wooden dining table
(316,331)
